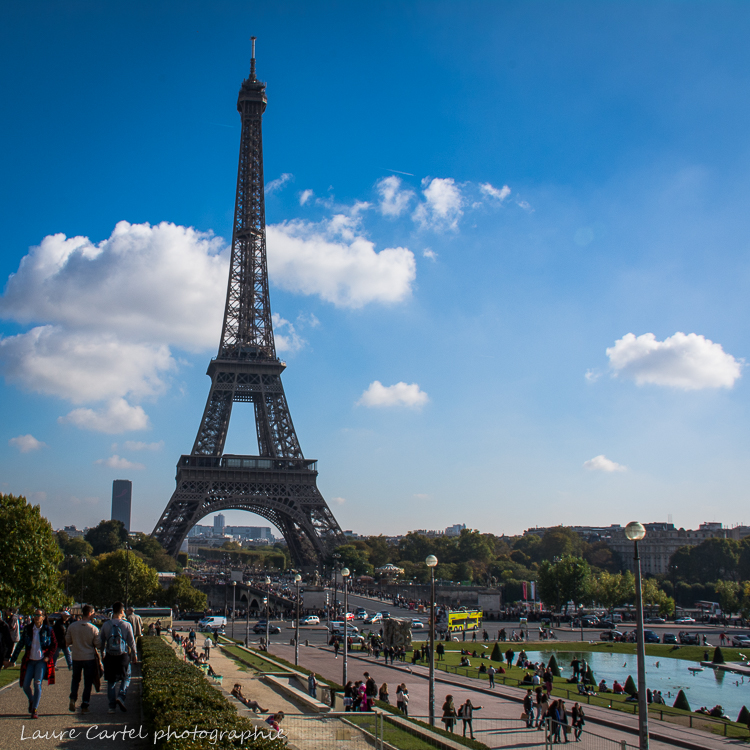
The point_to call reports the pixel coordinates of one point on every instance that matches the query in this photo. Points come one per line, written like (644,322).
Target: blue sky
(509,257)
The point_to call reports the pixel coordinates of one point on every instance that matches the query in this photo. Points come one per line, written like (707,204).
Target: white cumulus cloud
(26,443)
(687,361)
(116,417)
(115,462)
(275,185)
(137,445)
(431,254)
(442,205)
(602,463)
(305,196)
(393,199)
(400,394)
(492,192)
(333,260)
(285,336)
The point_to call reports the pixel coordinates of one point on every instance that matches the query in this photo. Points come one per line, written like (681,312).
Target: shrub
(177,697)
(629,686)
(681,701)
(744,717)
(497,654)
(718,656)
(552,666)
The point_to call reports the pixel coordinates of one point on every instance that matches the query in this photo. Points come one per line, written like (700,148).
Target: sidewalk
(501,703)
(54,717)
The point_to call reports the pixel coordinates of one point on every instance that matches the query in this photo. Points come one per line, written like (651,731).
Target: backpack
(115,642)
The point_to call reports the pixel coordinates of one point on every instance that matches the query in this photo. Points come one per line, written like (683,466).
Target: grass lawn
(9,675)
(664,650)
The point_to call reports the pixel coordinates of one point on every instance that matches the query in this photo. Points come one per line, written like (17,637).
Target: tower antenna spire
(252,60)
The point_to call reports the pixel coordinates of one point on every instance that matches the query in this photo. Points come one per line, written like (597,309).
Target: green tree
(29,556)
(107,536)
(728,593)
(182,595)
(743,562)
(549,588)
(574,579)
(354,559)
(380,551)
(561,541)
(107,578)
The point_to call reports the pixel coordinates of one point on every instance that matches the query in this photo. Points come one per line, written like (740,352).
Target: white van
(209,624)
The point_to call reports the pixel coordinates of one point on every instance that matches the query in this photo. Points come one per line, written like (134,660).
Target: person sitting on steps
(253,705)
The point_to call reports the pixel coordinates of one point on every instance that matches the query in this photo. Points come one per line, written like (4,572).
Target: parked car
(655,620)
(689,639)
(310,620)
(417,624)
(684,621)
(669,638)
(260,627)
(611,635)
(209,624)
(372,619)
(741,640)
(650,637)
(338,627)
(385,615)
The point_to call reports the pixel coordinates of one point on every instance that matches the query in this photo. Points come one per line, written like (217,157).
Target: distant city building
(349,534)
(662,540)
(122,494)
(455,530)
(73,532)
(219,524)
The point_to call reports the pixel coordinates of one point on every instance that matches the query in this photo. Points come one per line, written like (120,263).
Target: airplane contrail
(398,172)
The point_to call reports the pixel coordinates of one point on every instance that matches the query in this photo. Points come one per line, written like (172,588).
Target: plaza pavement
(54,717)
(501,703)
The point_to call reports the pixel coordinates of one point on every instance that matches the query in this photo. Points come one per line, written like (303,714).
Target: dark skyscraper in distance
(122,494)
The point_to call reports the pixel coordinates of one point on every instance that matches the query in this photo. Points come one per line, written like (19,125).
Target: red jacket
(48,644)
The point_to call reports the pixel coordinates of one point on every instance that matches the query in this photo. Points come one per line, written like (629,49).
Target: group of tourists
(361,695)
(465,712)
(90,652)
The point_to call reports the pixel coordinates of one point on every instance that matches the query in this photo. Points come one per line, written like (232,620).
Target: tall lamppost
(127,573)
(431,562)
(83,573)
(297,579)
(635,531)
(268,623)
(234,601)
(344,578)
(336,569)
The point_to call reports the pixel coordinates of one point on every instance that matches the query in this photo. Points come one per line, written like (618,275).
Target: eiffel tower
(279,483)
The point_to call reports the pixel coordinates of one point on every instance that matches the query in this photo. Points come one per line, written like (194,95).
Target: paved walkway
(502,703)
(59,728)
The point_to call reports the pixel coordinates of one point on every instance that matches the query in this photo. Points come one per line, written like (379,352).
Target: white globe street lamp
(345,576)
(636,531)
(431,561)
(297,579)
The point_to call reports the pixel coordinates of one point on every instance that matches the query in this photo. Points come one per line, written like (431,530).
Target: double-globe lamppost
(268,623)
(635,531)
(297,579)
(234,601)
(431,561)
(345,580)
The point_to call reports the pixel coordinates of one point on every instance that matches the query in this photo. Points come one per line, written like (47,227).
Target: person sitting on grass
(252,705)
(465,661)
(617,689)
(603,687)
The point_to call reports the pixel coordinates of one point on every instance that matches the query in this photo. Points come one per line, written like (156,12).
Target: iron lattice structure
(279,483)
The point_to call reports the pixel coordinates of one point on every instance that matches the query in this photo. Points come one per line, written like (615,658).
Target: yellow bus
(461,620)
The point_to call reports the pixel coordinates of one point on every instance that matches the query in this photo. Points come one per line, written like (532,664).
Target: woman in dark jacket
(449,713)
(38,662)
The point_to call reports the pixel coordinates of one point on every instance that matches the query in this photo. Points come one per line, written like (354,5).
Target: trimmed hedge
(718,656)
(629,686)
(681,701)
(177,700)
(497,654)
(553,667)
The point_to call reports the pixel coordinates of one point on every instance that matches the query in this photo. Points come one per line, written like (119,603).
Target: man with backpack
(116,639)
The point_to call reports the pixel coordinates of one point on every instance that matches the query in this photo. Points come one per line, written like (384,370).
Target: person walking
(6,642)
(207,645)
(449,713)
(117,640)
(136,622)
(528,709)
(466,714)
(11,617)
(562,717)
(61,628)
(83,640)
(578,719)
(312,685)
(38,638)
(440,651)
(491,675)
(383,696)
